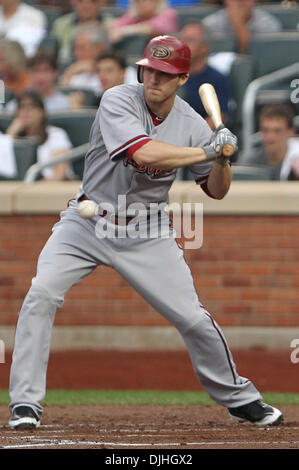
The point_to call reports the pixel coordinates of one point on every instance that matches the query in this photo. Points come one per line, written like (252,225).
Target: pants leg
(63,262)
(158,271)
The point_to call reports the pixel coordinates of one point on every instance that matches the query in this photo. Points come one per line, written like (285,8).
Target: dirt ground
(149,427)
(152,427)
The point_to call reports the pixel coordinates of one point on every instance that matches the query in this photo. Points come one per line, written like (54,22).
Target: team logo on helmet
(160,52)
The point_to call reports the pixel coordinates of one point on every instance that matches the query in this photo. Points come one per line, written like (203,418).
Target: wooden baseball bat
(210,101)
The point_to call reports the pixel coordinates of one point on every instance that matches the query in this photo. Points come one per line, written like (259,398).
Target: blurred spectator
(63,5)
(89,43)
(243,19)
(31,122)
(172,3)
(280,149)
(111,68)
(149,17)
(22,23)
(13,66)
(197,38)
(85,11)
(43,72)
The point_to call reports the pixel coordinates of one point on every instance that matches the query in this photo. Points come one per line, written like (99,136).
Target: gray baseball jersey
(123,120)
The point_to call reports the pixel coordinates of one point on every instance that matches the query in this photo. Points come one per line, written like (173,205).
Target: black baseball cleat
(258,413)
(23,417)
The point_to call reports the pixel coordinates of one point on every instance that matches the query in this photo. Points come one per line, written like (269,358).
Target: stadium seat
(251,173)
(49,43)
(133,47)
(5,120)
(196,13)
(90,99)
(51,13)
(222,43)
(241,74)
(274,51)
(25,154)
(287,15)
(77,124)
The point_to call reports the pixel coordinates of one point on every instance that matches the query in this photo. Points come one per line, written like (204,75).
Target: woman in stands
(31,122)
(148,17)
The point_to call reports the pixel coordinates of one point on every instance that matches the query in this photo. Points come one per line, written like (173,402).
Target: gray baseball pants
(155,268)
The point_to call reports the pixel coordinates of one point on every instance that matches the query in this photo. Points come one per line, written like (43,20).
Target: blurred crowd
(65,62)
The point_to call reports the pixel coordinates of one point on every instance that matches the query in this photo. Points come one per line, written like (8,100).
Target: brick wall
(246,274)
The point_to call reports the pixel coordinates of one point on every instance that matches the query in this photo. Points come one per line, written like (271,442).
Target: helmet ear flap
(140,74)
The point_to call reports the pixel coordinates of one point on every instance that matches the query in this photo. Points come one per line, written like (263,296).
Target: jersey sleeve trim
(128,144)
(133,148)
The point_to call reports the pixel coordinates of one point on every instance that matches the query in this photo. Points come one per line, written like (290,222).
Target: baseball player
(141,135)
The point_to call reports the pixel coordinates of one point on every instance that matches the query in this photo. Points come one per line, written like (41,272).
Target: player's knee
(46,294)
(194,329)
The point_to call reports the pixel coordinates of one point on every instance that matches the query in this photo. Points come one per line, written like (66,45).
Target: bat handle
(218,128)
(228,150)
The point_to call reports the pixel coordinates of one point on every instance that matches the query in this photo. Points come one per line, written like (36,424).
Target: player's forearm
(219,180)
(163,156)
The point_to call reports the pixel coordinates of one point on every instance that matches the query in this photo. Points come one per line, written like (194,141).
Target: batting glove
(220,138)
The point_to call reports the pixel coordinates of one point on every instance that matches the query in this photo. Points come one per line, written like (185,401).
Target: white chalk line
(156,444)
(149,429)
(39,441)
(96,425)
(94,443)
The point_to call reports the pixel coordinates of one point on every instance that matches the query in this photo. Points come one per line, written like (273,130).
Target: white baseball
(87,209)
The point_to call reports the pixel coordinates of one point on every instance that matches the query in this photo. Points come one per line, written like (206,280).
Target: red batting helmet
(167,54)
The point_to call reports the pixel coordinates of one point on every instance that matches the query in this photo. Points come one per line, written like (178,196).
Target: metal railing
(250,97)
